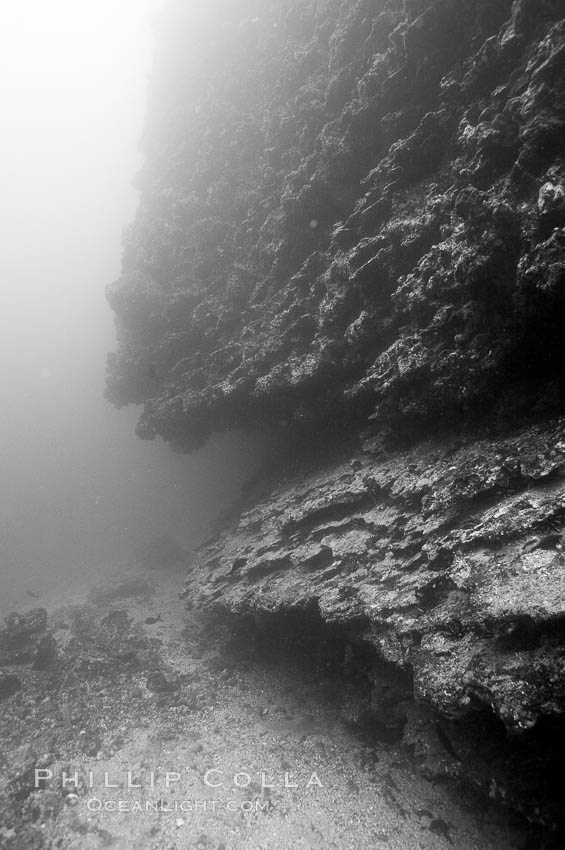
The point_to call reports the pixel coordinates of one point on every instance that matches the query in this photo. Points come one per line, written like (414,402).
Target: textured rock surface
(352,222)
(448,559)
(450,555)
(347,209)
(22,636)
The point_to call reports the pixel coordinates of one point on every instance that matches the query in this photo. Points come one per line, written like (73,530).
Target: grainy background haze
(77,488)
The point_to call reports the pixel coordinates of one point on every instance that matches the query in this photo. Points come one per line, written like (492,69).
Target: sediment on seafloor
(351,234)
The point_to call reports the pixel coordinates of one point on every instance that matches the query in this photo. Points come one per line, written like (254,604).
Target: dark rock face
(22,636)
(448,559)
(449,555)
(347,209)
(9,684)
(352,222)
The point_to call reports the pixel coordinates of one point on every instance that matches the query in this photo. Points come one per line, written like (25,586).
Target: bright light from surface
(76,486)
(73,91)
(59,53)
(72,84)
(72,97)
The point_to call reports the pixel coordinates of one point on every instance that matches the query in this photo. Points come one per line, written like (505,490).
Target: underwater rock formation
(347,210)
(448,555)
(22,636)
(352,231)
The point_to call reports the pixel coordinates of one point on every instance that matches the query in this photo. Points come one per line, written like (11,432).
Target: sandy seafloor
(103,707)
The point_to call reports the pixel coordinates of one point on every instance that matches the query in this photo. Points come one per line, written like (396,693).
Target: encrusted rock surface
(448,559)
(347,209)
(352,229)
(22,636)
(448,555)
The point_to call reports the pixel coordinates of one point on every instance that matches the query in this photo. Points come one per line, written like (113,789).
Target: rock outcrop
(347,210)
(448,559)
(448,556)
(352,231)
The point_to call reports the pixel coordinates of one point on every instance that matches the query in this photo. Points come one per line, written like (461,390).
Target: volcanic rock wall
(352,231)
(347,209)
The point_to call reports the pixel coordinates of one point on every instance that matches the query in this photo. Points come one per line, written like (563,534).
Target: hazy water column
(76,487)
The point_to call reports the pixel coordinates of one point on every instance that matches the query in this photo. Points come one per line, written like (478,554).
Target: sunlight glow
(66,60)
(73,91)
